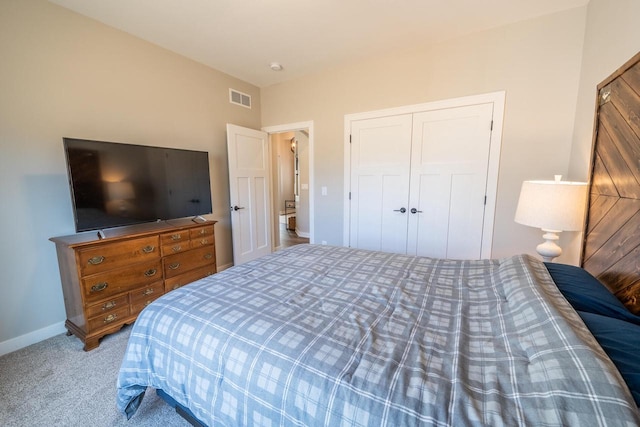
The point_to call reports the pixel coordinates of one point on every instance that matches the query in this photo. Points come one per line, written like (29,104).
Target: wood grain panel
(619,148)
(602,183)
(625,98)
(610,235)
(623,273)
(630,297)
(632,77)
(611,249)
(600,205)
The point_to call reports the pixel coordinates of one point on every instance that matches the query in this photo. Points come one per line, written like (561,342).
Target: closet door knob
(401,210)
(236,208)
(414,210)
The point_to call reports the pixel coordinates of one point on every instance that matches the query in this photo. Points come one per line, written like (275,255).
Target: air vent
(239,98)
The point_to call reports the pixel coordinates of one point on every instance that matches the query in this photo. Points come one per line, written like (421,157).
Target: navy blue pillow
(585,293)
(621,341)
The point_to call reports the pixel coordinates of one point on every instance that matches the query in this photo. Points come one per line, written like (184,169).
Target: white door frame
(498,100)
(292,127)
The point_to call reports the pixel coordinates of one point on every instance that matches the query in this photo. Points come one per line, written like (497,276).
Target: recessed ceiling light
(275,66)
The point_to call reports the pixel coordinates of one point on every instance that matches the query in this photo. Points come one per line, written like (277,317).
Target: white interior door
(249,163)
(449,166)
(381,152)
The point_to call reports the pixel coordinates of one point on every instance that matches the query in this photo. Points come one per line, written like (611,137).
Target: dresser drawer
(180,263)
(188,277)
(117,254)
(168,239)
(176,247)
(108,319)
(146,292)
(100,286)
(204,231)
(200,241)
(106,307)
(138,307)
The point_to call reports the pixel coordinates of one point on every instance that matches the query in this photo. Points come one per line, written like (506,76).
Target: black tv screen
(114,184)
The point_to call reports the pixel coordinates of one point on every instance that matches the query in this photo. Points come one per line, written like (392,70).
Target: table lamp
(553,206)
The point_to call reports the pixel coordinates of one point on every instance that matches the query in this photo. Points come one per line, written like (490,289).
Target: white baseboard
(26,340)
(302,234)
(220,268)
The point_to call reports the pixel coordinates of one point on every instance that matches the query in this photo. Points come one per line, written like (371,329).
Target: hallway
(289,237)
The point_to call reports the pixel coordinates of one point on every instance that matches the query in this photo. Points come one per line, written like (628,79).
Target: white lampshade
(552,205)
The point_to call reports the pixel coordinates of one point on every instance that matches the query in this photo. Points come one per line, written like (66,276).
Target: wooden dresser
(107,282)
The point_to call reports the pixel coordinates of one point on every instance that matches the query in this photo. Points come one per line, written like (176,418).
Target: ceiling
(242,37)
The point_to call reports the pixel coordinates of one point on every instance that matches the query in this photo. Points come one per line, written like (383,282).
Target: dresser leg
(90,344)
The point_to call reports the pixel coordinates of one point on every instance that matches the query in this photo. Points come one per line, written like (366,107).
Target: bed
(320,335)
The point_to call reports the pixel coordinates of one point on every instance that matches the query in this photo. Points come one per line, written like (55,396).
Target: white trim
(498,100)
(26,340)
(223,267)
(302,234)
(492,173)
(308,125)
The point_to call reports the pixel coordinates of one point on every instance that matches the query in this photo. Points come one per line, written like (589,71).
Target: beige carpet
(56,383)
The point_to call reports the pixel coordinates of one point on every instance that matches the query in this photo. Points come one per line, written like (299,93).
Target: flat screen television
(114,184)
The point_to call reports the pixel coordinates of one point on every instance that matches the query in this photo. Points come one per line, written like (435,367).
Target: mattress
(319,335)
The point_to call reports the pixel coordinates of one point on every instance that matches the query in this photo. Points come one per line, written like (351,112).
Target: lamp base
(549,249)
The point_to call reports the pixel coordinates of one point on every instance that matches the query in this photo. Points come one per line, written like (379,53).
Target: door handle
(414,210)
(401,210)
(236,208)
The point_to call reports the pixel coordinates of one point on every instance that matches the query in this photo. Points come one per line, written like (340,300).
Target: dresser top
(128,232)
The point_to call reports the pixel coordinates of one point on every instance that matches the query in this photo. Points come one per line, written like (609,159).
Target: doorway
(291,149)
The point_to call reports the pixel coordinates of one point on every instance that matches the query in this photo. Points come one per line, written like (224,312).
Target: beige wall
(537,62)
(65,75)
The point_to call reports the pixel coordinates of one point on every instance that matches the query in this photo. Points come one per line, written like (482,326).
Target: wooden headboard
(611,249)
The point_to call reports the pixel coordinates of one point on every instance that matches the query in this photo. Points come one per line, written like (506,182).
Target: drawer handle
(176,236)
(96,260)
(99,287)
(150,272)
(108,305)
(208,256)
(204,242)
(148,291)
(176,286)
(148,249)
(203,231)
(176,248)
(174,266)
(147,303)
(110,318)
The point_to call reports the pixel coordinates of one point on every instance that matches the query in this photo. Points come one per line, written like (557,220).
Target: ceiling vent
(239,98)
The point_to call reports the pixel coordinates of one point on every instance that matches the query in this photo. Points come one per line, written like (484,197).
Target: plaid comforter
(329,336)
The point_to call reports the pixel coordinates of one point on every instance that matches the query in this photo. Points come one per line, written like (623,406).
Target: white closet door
(380,157)
(449,165)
